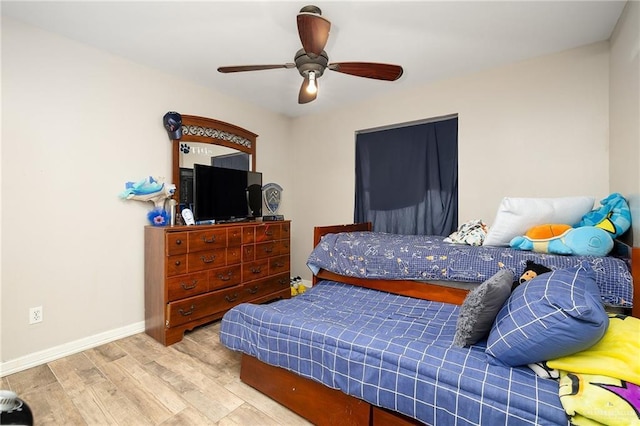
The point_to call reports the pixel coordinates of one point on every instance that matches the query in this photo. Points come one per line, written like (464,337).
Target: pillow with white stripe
(553,315)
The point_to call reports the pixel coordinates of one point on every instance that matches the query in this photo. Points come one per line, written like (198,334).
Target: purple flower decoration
(158,217)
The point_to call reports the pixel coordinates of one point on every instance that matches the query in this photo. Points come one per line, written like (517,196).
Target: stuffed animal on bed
(531,270)
(592,236)
(584,241)
(613,216)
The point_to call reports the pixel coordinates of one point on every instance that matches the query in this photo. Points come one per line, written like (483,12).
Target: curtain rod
(407,124)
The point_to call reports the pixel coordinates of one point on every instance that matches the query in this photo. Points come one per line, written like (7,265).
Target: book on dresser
(194,274)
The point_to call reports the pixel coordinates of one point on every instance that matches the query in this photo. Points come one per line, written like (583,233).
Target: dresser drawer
(285,231)
(266,286)
(268,249)
(225,277)
(190,309)
(209,259)
(268,232)
(279,264)
(187,285)
(248,252)
(248,234)
(176,265)
(234,255)
(284,247)
(176,243)
(207,239)
(255,270)
(234,236)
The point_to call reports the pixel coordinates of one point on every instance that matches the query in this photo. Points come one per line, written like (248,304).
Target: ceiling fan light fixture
(312,87)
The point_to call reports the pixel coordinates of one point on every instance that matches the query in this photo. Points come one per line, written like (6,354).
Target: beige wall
(624,156)
(77,123)
(536,128)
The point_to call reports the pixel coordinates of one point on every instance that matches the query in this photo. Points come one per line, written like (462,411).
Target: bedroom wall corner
(624,155)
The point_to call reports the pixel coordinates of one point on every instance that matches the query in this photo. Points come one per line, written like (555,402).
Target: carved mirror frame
(214,132)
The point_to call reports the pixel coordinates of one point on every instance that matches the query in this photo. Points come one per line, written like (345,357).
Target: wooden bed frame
(324,406)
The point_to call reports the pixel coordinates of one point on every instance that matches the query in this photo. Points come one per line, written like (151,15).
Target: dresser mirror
(210,142)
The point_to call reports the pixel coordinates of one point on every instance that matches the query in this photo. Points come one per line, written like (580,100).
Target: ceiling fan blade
(241,68)
(304,96)
(375,70)
(314,32)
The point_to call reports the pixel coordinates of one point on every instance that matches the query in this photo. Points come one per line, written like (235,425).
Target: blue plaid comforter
(394,352)
(428,258)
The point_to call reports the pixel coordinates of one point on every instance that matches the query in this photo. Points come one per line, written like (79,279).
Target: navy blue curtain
(407,179)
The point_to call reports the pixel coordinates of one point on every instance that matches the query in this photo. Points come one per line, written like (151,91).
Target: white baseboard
(57,352)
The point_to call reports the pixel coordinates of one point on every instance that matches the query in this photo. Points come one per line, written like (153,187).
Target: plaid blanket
(392,351)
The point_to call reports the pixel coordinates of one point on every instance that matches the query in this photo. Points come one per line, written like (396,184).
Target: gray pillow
(480,308)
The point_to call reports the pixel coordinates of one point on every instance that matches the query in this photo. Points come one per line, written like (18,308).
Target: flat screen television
(224,195)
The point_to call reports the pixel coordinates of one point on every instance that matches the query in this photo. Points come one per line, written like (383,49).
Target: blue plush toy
(584,241)
(613,216)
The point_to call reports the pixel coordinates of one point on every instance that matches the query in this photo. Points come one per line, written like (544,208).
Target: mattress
(378,255)
(392,351)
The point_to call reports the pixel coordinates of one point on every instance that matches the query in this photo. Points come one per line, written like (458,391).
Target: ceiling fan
(311,61)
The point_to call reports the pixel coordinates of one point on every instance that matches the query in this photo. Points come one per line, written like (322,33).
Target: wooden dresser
(194,274)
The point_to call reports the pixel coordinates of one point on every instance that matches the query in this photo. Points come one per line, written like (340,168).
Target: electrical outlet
(35,315)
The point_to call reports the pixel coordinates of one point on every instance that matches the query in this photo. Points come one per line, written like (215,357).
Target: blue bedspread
(392,351)
(429,258)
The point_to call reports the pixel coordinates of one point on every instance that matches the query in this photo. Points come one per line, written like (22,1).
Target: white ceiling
(431,40)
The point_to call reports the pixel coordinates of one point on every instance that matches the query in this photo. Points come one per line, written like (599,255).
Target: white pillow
(516,216)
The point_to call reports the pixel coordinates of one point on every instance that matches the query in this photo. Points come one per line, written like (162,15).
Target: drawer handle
(227,277)
(256,270)
(268,233)
(209,240)
(254,289)
(209,259)
(189,312)
(177,263)
(268,249)
(283,281)
(189,287)
(232,298)
(178,242)
(279,264)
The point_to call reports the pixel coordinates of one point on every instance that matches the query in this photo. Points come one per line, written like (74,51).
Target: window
(407,178)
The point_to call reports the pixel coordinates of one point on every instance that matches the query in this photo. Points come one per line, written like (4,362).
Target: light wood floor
(138,381)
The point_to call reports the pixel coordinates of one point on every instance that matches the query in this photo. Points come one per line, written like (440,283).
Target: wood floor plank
(32,379)
(154,385)
(142,347)
(51,405)
(76,372)
(266,405)
(216,394)
(246,414)
(105,353)
(188,416)
(131,389)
